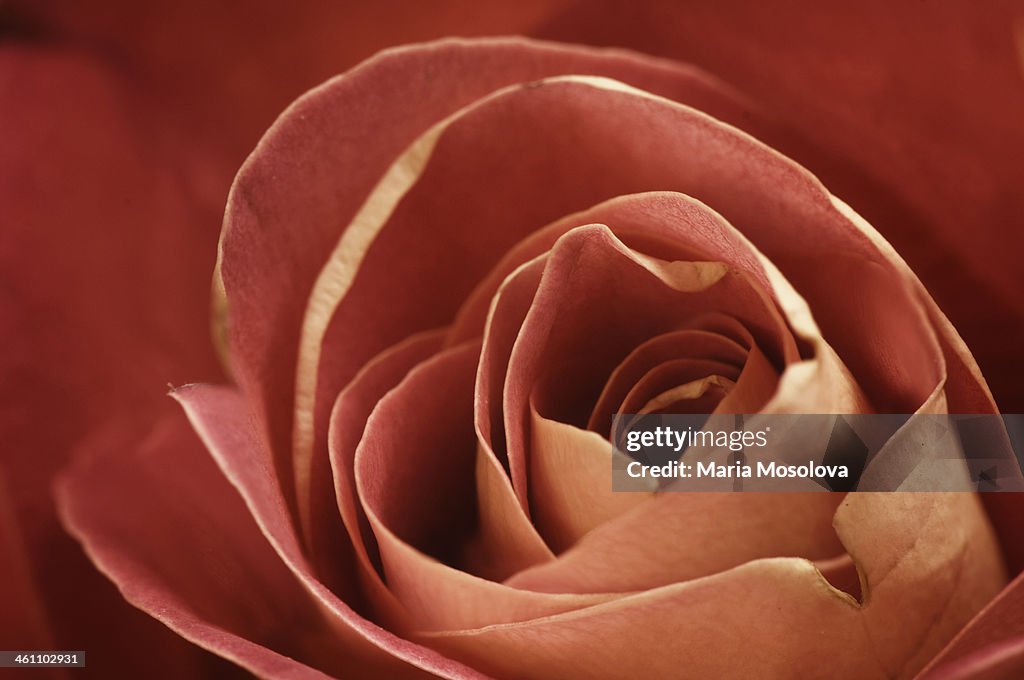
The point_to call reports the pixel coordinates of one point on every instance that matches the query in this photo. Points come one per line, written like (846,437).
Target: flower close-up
(447,251)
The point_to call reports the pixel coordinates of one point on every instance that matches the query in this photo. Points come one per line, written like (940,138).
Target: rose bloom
(439,275)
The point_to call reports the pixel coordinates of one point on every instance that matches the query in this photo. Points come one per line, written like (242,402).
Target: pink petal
(701,395)
(773,201)
(595,287)
(928,562)
(507,541)
(495,488)
(224,421)
(512,303)
(666,224)
(689,342)
(670,540)
(755,387)
(571,482)
(659,383)
(910,116)
(348,423)
(991,646)
(287,206)
(414,469)
(164,524)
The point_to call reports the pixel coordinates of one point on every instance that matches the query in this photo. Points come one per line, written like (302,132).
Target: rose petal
(676,380)
(509,308)
(571,481)
(418,452)
(679,223)
(991,646)
(590,278)
(776,203)
(507,541)
(756,385)
(929,562)
(666,224)
(165,525)
(689,342)
(850,82)
(223,419)
(348,423)
(278,225)
(414,471)
(680,536)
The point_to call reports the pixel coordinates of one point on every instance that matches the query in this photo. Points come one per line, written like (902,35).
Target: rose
(537,297)
(957,170)
(19,480)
